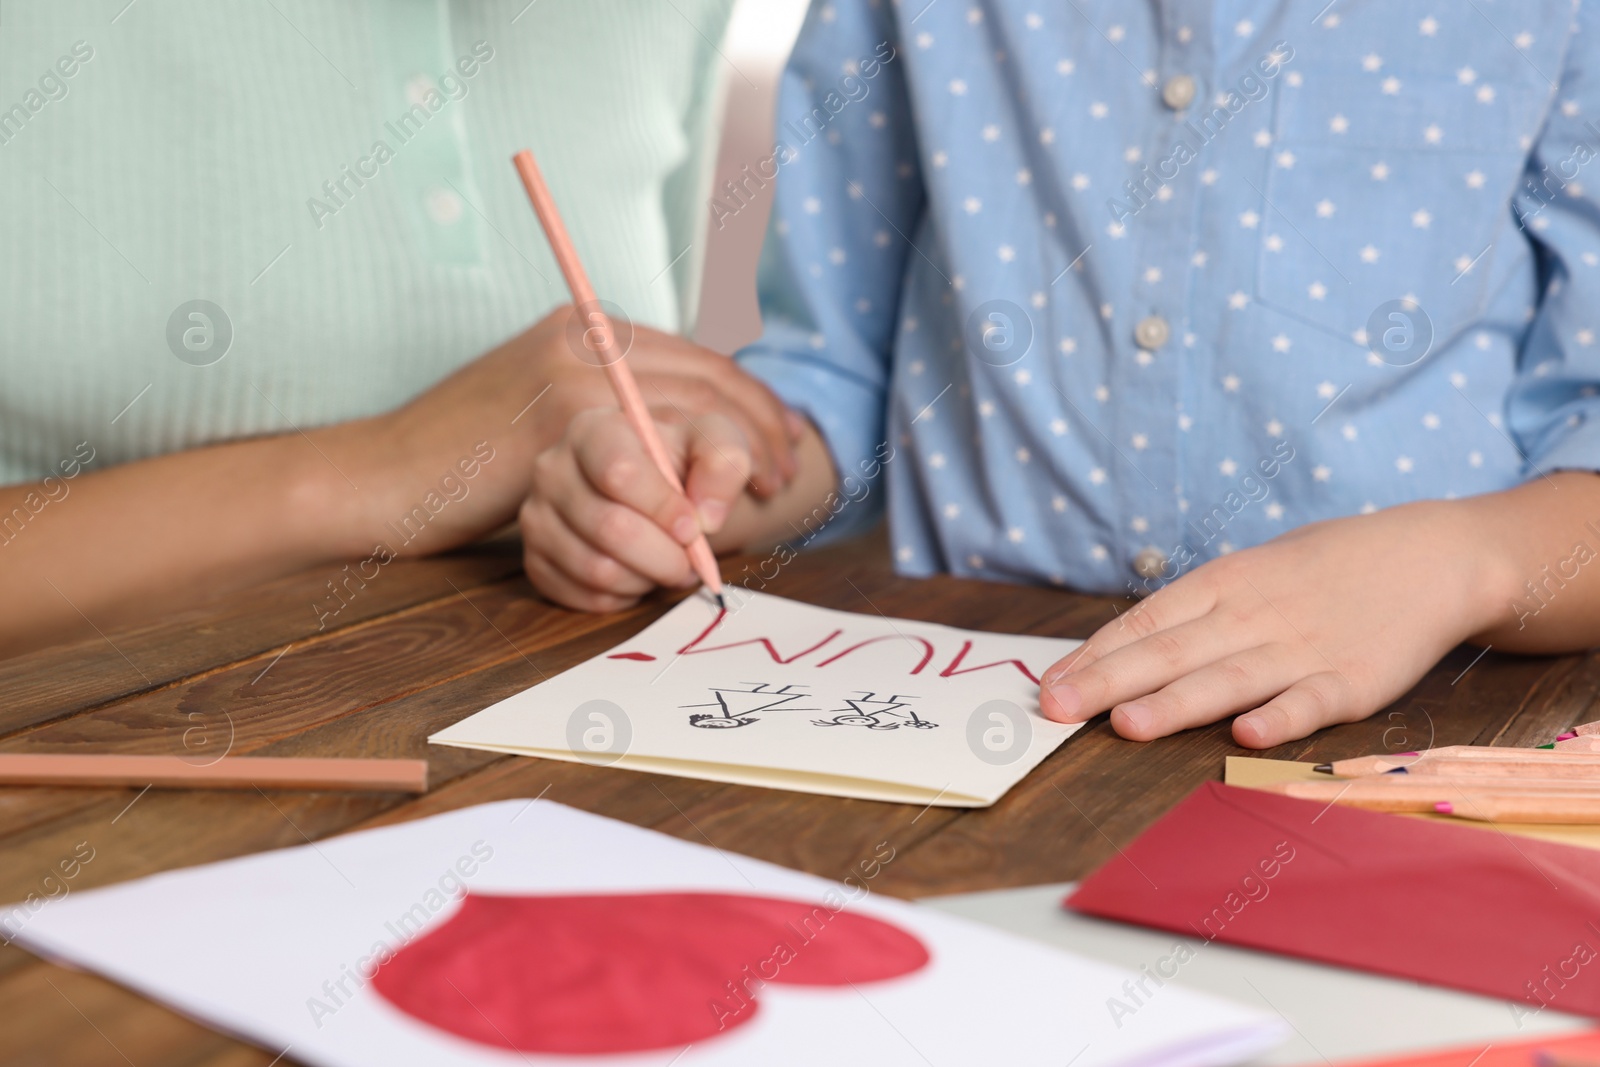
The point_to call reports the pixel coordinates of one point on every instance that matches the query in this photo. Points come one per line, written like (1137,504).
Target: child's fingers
(546,532)
(766,419)
(557,586)
(565,510)
(750,392)
(619,533)
(615,464)
(768,416)
(1183,601)
(718,468)
(1313,702)
(772,419)
(1230,684)
(1135,669)
(537,521)
(690,398)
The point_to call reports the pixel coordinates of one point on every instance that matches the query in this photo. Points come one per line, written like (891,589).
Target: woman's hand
(1323,625)
(520,400)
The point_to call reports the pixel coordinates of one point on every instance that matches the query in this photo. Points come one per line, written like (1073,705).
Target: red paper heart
(628,972)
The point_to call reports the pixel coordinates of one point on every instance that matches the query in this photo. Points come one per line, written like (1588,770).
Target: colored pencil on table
(1525,808)
(1485,805)
(1472,759)
(1423,783)
(1426,793)
(1554,767)
(614,362)
(229,772)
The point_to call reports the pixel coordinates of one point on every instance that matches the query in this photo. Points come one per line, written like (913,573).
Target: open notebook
(777,693)
(529,933)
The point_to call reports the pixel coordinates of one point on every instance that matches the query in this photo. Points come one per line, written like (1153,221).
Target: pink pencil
(229,772)
(621,378)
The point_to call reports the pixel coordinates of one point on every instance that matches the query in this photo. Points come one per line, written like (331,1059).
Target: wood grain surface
(433,641)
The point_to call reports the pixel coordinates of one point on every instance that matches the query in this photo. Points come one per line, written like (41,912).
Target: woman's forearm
(445,468)
(106,546)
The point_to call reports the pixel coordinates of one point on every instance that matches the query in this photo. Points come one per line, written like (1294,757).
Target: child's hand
(601,527)
(1323,625)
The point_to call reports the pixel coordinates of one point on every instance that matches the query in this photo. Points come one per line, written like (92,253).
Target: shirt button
(443,206)
(418,87)
(1150,563)
(1179,92)
(1152,332)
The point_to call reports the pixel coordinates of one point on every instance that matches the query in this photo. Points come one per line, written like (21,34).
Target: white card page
(782,694)
(260,946)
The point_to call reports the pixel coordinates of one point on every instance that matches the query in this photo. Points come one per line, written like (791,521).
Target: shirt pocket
(1389,185)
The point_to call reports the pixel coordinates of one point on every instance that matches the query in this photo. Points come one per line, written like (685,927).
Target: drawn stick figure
(878,713)
(737,707)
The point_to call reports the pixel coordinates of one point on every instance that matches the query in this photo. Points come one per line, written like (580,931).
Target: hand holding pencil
(602,527)
(610,517)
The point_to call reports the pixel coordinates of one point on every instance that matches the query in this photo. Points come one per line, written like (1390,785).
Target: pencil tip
(1444,807)
(1396,770)
(722,602)
(1323,768)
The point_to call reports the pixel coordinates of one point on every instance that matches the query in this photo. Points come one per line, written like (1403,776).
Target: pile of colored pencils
(1556,783)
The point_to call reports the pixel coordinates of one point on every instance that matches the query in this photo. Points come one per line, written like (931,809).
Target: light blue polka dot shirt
(1125,287)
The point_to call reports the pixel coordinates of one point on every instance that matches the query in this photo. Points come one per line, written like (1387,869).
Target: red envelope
(1469,908)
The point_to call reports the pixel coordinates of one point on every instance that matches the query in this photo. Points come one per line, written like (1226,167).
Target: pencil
(229,772)
(1524,807)
(1550,767)
(1424,793)
(1471,759)
(615,363)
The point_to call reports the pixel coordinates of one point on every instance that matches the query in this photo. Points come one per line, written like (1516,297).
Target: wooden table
(428,642)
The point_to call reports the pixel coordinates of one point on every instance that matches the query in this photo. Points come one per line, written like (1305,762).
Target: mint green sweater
(335,176)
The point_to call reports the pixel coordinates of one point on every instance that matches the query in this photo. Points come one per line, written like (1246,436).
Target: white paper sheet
(253,945)
(782,694)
